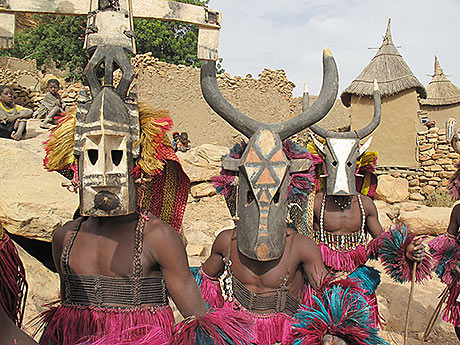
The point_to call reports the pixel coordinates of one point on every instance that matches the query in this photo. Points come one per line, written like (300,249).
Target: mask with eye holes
(342,150)
(263,169)
(107,126)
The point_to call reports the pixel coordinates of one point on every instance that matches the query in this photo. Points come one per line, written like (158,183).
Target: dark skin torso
(105,246)
(348,220)
(454,222)
(266,276)
(10,334)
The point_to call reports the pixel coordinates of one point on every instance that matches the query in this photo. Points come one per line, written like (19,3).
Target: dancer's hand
(415,251)
(456,270)
(333,340)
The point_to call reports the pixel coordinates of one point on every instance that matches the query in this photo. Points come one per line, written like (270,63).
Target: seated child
(175,141)
(184,143)
(12,116)
(51,105)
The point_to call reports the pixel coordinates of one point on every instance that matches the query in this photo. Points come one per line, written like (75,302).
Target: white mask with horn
(342,149)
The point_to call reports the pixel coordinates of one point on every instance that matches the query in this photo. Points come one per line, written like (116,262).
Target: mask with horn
(107,126)
(264,170)
(342,150)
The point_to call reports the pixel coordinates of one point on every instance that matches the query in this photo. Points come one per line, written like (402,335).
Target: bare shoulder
(368,203)
(61,234)
(304,242)
(60,238)
(456,209)
(158,231)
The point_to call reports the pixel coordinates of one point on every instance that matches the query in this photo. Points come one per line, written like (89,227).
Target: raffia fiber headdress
(163,186)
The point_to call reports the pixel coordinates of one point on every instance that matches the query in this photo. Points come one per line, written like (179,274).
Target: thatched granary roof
(440,90)
(389,69)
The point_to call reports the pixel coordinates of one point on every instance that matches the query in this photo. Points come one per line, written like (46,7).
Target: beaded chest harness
(341,242)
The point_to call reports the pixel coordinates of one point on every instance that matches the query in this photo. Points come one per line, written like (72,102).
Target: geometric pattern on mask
(265,166)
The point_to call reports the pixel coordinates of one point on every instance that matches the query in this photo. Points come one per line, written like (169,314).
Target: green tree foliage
(171,42)
(60,39)
(55,38)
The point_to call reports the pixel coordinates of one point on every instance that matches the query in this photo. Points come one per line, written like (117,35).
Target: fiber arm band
(221,327)
(209,287)
(445,253)
(392,249)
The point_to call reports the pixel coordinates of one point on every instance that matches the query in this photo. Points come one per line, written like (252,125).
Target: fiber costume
(341,159)
(13,284)
(118,156)
(261,181)
(445,249)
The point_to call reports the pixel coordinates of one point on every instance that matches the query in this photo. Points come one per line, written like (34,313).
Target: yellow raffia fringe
(154,125)
(60,145)
(368,158)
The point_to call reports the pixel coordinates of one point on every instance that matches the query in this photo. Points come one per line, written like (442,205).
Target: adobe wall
(395,137)
(440,114)
(177,89)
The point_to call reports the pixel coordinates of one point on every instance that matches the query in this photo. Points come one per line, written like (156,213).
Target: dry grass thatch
(440,90)
(389,69)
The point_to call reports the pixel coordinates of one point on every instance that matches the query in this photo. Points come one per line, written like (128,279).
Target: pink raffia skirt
(13,285)
(70,325)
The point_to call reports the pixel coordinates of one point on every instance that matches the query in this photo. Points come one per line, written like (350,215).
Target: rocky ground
(33,204)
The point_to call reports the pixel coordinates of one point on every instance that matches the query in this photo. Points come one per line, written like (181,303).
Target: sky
(291,35)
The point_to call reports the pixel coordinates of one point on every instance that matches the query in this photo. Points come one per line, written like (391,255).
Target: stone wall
(436,160)
(436,157)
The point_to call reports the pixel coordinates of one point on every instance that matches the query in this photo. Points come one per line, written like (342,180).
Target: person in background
(184,143)
(175,141)
(12,116)
(51,105)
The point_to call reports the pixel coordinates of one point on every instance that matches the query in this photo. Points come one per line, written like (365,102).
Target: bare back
(105,246)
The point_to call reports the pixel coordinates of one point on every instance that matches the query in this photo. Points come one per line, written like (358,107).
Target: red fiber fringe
(140,335)
(13,287)
(373,248)
(268,328)
(223,326)
(211,292)
(343,260)
(439,247)
(69,325)
(454,184)
(400,267)
(451,313)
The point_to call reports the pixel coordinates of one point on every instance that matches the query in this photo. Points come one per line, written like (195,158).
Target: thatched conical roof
(389,69)
(440,90)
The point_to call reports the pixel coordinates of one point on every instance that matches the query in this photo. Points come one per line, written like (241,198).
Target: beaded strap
(137,262)
(66,254)
(341,242)
(68,246)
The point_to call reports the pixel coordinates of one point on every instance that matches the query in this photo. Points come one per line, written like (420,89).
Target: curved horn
(361,133)
(219,104)
(322,104)
(364,132)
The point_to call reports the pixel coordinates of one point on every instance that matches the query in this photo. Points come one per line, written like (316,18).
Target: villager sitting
(51,105)
(184,143)
(175,140)
(12,116)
